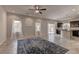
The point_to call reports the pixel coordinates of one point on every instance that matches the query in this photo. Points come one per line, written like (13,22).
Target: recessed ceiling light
(73,9)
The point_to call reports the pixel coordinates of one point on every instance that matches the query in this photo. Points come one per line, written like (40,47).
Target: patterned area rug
(39,46)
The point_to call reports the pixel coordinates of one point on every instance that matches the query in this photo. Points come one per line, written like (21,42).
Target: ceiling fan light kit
(37,11)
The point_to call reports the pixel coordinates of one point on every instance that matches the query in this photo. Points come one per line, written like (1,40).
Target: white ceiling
(56,12)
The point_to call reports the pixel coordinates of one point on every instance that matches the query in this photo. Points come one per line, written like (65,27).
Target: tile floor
(10,46)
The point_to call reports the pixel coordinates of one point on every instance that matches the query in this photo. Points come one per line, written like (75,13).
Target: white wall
(28,30)
(2,25)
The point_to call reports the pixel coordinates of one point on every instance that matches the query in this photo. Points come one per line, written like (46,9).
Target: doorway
(51,32)
(16,29)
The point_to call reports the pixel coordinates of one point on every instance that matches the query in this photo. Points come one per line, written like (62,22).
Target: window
(66,26)
(38,26)
(38,29)
(17,26)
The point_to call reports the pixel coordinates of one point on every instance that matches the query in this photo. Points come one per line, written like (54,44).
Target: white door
(51,32)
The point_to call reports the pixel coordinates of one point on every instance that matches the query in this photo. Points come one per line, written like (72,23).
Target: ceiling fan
(37,9)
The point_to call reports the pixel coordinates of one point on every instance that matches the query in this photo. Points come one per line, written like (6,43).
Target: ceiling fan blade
(40,12)
(37,9)
(43,9)
(31,9)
